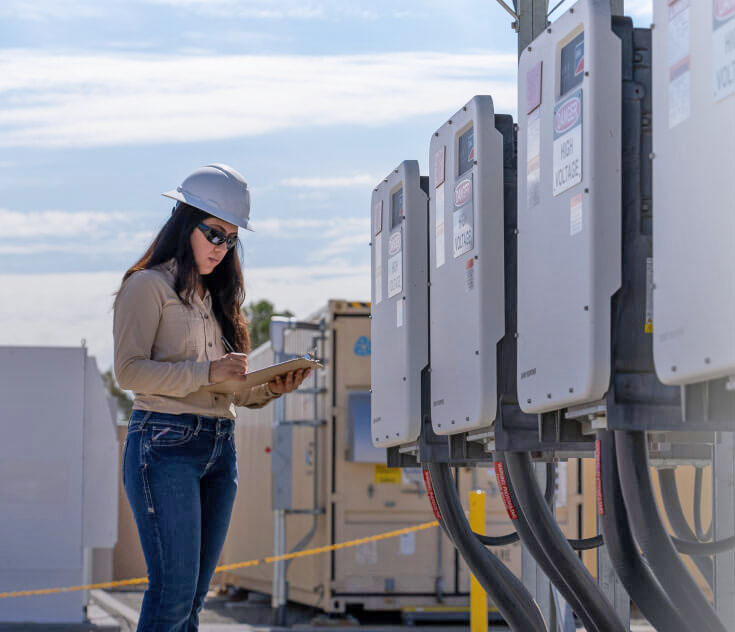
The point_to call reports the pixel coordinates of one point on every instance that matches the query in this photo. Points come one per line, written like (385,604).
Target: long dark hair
(225,282)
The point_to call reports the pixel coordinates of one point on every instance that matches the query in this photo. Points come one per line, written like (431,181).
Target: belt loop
(146,417)
(199,425)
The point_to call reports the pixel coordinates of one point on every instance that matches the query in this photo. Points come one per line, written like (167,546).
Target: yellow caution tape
(229,567)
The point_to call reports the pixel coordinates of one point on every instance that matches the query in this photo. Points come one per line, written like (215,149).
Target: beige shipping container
(359,495)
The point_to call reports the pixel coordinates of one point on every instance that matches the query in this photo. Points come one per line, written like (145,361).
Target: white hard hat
(218,190)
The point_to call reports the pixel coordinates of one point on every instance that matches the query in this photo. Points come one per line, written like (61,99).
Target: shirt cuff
(269,393)
(202,373)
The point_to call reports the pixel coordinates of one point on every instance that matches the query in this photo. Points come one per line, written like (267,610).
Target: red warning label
(598,478)
(504,491)
(430,494)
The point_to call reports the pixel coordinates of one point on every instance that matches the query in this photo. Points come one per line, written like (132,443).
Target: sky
(105,104)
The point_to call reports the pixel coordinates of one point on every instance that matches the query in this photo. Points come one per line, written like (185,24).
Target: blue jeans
(180,477)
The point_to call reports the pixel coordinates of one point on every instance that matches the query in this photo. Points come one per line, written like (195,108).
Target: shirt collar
(171,266)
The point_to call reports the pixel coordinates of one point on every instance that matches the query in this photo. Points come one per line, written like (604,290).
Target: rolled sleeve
(136,317)
(256,397)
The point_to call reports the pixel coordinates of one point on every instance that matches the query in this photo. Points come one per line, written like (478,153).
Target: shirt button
(210,344)
(206,316)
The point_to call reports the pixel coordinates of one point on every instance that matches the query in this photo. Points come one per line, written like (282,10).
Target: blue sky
(105,104)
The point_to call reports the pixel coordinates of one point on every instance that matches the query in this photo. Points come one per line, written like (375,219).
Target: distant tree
(124,401)
(259,316)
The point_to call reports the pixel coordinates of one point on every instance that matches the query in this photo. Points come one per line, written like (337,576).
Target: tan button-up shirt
(163,349)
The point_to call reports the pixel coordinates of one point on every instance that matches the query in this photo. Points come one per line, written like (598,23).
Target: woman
(179,466)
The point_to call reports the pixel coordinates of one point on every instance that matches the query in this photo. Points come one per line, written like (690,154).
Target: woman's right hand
(231,366)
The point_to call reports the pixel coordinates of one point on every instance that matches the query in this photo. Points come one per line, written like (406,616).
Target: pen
(228,346)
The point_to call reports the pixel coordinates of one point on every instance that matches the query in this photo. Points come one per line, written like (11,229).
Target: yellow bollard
(478,596)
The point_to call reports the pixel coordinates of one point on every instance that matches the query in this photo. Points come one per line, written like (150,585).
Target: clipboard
(262,376)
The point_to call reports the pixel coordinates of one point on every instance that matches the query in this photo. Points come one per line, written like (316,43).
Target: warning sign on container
(567,143)
(385,474)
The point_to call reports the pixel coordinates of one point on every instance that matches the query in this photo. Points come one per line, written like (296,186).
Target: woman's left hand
(291,382)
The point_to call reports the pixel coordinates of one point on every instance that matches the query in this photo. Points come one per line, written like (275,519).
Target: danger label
(395,274)
(463,234)
(394,244)
(567,143)
(463,192)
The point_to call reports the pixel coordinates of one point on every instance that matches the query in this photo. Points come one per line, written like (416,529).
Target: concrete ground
(233,612)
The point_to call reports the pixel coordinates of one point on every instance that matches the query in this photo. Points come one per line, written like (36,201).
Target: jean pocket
(163,434)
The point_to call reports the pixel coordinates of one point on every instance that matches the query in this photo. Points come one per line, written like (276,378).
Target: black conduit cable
(634,574)
(672,506)
(585,544)
(546,530)
(447,497)
(514,602)
(703,549)
(631,451)
(685,540)
(498,540)
(698,530)
(511,538)
(537,551)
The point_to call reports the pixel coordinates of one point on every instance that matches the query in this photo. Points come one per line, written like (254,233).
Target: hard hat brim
(181,196)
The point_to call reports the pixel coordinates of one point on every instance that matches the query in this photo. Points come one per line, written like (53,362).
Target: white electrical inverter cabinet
(399,326)
(466,267)
(569,208)
(694,190)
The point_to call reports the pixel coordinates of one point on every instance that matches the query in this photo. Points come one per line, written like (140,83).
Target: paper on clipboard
(262,376)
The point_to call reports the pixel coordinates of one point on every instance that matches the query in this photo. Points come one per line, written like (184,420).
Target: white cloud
(55,223)
(78,233)
(359,180)
(118,244)
(42,10)
(286,9)
(329,237)
(64,100)
(81,304)
(640,10)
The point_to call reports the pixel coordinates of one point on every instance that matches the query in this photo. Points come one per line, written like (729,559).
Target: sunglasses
(217,237)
